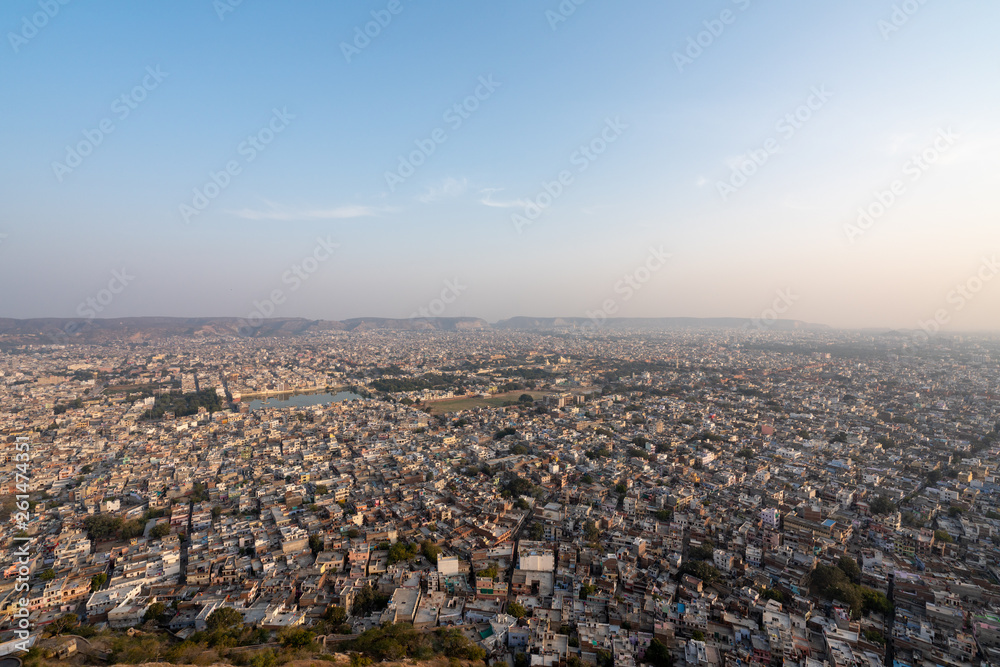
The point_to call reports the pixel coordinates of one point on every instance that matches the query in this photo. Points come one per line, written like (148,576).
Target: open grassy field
(469,402)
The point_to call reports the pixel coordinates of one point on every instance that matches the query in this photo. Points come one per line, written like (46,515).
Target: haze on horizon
(544,159)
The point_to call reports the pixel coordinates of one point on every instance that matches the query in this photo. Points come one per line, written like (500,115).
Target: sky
(834,161)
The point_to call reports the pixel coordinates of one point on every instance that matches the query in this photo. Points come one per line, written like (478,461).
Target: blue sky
(672,127)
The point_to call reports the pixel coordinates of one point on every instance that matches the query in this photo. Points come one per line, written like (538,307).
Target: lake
(301,400)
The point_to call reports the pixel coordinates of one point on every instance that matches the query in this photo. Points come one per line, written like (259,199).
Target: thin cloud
(488,200)
(278,212)
(449,188)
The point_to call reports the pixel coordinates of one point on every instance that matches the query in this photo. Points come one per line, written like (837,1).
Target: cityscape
(533,333)
(704,496)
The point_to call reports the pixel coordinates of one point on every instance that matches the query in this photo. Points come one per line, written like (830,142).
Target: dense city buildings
(701,496)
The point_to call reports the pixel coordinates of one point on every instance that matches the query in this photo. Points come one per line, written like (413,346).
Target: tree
(702,570)
(874,636)
(155,612)
(536,532)
(402,551)
(658,655)
(336,615)
(321,490)
(516,609)
(430,550)
(591,531)
(132,529)
(587,479)
(47,575)
(315,544)
(882,505)
(65,623)
(698,636)
(525,398)
(772,594)
(223,618)
(296,638)
(849,566)
(160,531)
(97,581)
(703,552)
(101,526)
(367,601)
(745,453)
(943,536)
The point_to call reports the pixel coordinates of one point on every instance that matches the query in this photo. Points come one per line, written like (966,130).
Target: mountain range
(145,328)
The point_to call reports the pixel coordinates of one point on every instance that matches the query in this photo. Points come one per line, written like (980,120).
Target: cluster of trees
(63,407)
(504,432)
(183,405)
(426,381)
(703,552)
(400,642)
(882,505)
(106,526)
(772,594)
(402,551)
(336,619)
(702,570)
(518,486)
(664,514)
(526,373)
(637,453)
(943,536)
(368,600)
(838,583)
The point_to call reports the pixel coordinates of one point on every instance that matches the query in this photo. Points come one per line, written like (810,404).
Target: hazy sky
(516,157)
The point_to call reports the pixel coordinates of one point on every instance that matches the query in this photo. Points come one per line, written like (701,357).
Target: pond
(301,400)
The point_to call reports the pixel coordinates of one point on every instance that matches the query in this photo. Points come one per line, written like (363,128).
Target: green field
(469,402)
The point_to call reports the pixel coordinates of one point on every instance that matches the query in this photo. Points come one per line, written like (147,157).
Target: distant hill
(58,330)
(138,329)
(651,323)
